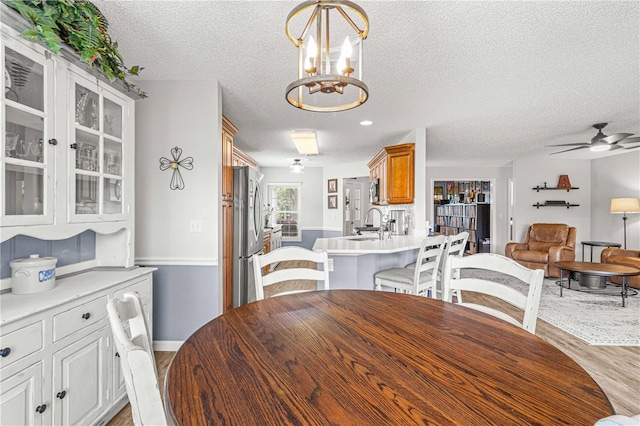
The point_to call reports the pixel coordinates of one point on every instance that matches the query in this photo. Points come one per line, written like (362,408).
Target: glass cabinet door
(27,140)
(97,154)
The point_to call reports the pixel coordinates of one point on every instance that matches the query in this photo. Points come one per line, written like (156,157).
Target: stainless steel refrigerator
(247,231)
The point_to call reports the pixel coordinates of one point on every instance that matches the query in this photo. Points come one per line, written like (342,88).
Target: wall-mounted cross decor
(176,178)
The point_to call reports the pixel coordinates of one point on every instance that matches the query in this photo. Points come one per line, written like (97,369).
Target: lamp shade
(624,205)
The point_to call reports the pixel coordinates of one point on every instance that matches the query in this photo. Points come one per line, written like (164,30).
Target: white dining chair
(422,278)
(529,302)
(300,264)
(454,246)
(619,420)
(132,340)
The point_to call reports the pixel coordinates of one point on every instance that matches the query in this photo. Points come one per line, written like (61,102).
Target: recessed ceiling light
(366,123)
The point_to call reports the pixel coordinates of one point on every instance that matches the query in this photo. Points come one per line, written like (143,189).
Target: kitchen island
(356,259)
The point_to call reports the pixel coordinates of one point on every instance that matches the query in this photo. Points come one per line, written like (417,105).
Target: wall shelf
(547,204)
(544,188)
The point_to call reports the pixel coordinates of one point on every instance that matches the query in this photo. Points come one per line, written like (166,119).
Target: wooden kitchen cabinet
(242,159)
(228,132)
(394,166)
(266,248)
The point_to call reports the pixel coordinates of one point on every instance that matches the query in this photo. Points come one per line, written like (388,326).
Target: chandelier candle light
(329,86)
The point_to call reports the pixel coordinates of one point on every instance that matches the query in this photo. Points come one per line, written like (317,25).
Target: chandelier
(326,73)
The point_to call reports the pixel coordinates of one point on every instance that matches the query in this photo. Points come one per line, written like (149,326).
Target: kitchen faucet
(381,229)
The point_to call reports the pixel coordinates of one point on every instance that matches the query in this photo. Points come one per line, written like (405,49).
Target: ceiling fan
(602,142)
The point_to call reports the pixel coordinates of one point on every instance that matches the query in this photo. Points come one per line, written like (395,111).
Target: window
(286,201)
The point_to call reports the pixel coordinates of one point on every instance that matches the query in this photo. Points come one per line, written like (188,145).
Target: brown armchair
(544,244)
(623,257)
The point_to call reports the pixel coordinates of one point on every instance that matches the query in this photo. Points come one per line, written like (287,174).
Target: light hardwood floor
(615,368)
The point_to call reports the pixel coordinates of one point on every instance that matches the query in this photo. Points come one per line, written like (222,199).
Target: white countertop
(17,306)
(355,246)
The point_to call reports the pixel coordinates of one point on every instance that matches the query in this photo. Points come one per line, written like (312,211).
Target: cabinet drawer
(79,317)
(142,288)
(20,343)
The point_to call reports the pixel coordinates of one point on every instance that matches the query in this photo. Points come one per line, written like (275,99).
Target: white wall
(332,218)
(616,176)
(184,114)
(530,173)
(312,190)
(499,191)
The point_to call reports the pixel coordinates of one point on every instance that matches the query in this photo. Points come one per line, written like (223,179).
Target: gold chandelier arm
(363,33)
(309,23)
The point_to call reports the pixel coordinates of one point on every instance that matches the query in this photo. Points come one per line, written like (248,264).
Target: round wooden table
(598,270)
(348,357)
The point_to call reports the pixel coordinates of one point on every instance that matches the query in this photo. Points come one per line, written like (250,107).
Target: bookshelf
(473,218)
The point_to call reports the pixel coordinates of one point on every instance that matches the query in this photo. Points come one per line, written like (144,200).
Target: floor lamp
(624,206)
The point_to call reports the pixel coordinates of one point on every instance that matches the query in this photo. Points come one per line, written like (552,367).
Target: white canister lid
(33,260)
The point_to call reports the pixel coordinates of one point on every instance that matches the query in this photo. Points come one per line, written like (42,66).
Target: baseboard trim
(167,345)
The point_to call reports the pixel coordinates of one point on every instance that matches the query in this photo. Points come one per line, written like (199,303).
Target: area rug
(596,317)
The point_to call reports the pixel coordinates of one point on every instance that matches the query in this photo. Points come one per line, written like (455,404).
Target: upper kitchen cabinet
(67,149)
(228,132)
(394,167)
(242,159)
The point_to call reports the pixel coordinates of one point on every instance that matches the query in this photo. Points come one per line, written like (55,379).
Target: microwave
(374,191)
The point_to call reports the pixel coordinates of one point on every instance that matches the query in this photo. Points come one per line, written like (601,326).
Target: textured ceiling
(490,81)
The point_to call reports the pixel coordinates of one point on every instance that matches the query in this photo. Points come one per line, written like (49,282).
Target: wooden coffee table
(599,270)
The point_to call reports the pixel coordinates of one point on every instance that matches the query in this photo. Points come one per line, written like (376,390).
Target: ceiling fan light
(600,148)
(296,167)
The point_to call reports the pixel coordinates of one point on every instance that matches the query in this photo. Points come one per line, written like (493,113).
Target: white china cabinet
(66,167)
(66,163)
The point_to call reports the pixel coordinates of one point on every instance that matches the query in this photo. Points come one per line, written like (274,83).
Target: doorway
(356,203)
(464,206)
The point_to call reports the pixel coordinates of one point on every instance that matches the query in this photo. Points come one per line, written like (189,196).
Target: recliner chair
(544,244)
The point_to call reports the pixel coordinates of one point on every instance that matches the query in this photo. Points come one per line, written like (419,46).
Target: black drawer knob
(117,355)
(73,146)
(61,395)
(53,141)
(86,316)
(41,408)
(5,352)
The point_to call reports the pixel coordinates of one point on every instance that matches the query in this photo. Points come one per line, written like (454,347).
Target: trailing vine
(81,25)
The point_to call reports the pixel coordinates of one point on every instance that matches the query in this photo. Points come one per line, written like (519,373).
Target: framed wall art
(332,201)
(332,186)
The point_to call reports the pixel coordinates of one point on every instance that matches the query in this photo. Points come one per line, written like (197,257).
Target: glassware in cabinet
(99,152)
(27,159)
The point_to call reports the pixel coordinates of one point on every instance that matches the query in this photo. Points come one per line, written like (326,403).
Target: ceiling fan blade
(617,137)
(572,149)
(570,144)
(625,141)
(630,146)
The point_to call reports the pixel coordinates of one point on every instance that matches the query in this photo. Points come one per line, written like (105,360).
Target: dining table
(361,357)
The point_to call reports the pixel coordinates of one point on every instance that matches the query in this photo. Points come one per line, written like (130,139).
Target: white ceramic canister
(33,274)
